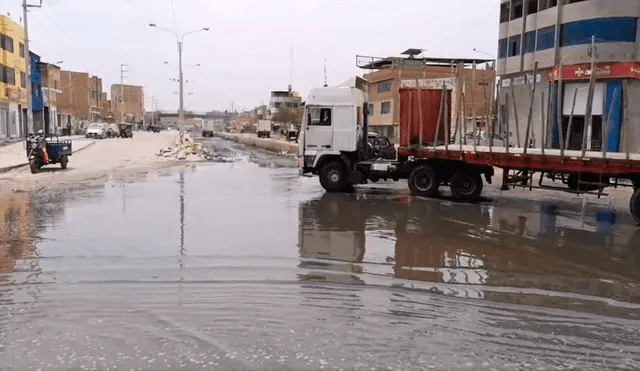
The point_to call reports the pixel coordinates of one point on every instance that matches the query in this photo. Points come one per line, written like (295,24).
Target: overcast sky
(246,53)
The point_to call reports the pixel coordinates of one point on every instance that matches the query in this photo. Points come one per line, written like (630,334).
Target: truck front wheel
(333,177)
(423,182)
(466,185)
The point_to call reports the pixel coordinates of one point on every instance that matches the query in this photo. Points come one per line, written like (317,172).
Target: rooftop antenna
(291,69)
(325,73)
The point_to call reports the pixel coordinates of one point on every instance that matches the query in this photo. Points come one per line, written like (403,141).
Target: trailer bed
(552,160)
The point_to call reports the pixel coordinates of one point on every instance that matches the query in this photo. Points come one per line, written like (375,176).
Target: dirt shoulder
(98,163)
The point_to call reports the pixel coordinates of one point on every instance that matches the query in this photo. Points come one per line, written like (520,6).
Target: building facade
(561,37)
(131,97)
(81,96)
(387,75)
(284,99)
(13,84)
(55,121)
(37,102)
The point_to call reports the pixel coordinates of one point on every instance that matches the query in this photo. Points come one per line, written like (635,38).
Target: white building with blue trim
(560,32)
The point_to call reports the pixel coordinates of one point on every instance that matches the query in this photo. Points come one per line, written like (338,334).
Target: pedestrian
(68,128)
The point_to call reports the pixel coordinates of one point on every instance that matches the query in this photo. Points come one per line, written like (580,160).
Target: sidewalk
(14,155)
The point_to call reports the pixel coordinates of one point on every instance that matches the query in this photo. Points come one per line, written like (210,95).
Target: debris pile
(188,150)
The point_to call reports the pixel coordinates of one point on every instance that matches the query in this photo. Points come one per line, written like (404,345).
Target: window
(514,46)
(546,4)
(21,49)
(385,108)
(532,6)
(616,29)
(6,43)
(384,86)
(517,10)
(319,116)
(371,109)
(546,38)
(505,8)
(23,80)
(8,75)
(529,42)
(502,48)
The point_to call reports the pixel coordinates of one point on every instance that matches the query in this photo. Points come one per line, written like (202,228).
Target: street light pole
(27,59)
(180,40)
(181,82)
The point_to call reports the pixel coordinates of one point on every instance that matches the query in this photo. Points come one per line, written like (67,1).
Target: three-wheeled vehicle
(57,151)
(126,130)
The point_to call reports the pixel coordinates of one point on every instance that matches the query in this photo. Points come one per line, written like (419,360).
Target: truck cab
(331,131)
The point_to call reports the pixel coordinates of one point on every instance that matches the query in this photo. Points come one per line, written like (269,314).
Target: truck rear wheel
(634,205)
(466,185)
(333,177)
(423,181)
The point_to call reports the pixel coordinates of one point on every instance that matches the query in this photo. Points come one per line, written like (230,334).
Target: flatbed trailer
(435,151)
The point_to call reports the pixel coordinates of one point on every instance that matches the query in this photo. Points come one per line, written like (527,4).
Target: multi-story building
(95,98)
(37,102)
(284,99)
(133,102)
(106,111)
(81,95)
(557,35)
(54,121)
(13,84)
(388,75)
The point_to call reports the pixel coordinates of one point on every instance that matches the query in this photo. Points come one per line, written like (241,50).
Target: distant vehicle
(96,130)
(264,129)
(207,128)
(126,130)
(57,151)
(381,147)
(112,131)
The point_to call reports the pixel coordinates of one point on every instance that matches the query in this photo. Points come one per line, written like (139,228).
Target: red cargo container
(410,116)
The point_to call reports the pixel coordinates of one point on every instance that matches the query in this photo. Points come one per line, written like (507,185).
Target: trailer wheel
(333,177)
(634,205)
(423,181)
(466,185)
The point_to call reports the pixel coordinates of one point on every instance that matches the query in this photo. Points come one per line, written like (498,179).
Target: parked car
(96,130)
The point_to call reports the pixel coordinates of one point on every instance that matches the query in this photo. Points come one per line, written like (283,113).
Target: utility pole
(123,70)
(181,78)
(27,59)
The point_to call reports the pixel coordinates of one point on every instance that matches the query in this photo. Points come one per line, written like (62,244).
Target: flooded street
(240,264)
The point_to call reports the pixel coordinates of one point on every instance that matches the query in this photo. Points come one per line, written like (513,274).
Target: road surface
(240,264)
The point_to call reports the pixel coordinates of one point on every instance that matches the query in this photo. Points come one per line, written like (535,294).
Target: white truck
(208,127)
(264,129)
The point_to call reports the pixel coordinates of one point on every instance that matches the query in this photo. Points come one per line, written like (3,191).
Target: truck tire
(466,185)
(423,182)
(333,177)
(634,205)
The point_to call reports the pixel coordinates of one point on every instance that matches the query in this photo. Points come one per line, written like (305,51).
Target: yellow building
(13,80)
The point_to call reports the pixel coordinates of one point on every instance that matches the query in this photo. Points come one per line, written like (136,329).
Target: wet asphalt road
(240,264)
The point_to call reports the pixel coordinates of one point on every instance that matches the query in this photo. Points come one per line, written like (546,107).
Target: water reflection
(529,253)
(17,231)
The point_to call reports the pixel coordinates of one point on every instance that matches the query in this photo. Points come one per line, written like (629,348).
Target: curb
(13,167)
